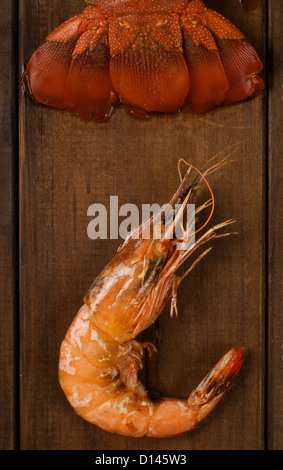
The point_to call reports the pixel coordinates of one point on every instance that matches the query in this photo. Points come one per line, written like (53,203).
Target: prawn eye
(151,269)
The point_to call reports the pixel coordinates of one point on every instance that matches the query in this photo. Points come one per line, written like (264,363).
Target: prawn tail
(214,386)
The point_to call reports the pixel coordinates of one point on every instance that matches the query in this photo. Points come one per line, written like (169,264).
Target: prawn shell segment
(71,68)
(124,299)
(90,377)
(147,67)
(223,66)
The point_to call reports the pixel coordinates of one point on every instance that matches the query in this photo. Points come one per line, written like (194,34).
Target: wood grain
(67,164)
(275,222)
(8,227)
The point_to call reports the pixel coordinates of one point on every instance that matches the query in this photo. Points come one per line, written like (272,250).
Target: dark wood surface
(8,228)
(275,223)
(61,166)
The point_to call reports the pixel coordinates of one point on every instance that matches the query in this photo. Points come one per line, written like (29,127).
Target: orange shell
(150,55)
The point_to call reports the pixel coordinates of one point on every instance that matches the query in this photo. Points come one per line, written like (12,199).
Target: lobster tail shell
(223,66)
(152,59)
(241,65)
(147,67)
(71,68)
(209,83)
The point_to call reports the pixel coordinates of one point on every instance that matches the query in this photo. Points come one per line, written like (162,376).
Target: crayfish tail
(213,387)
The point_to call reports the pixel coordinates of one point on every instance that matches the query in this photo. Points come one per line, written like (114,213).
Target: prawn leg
(131,362)
(173,307)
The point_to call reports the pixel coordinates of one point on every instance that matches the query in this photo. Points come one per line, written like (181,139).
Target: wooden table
(54,166)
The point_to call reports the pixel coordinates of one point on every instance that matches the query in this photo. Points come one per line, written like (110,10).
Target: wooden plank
(8,227)
(66,165)
(275,330)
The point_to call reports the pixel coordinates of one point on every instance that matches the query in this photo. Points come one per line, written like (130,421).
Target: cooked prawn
(100,357)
